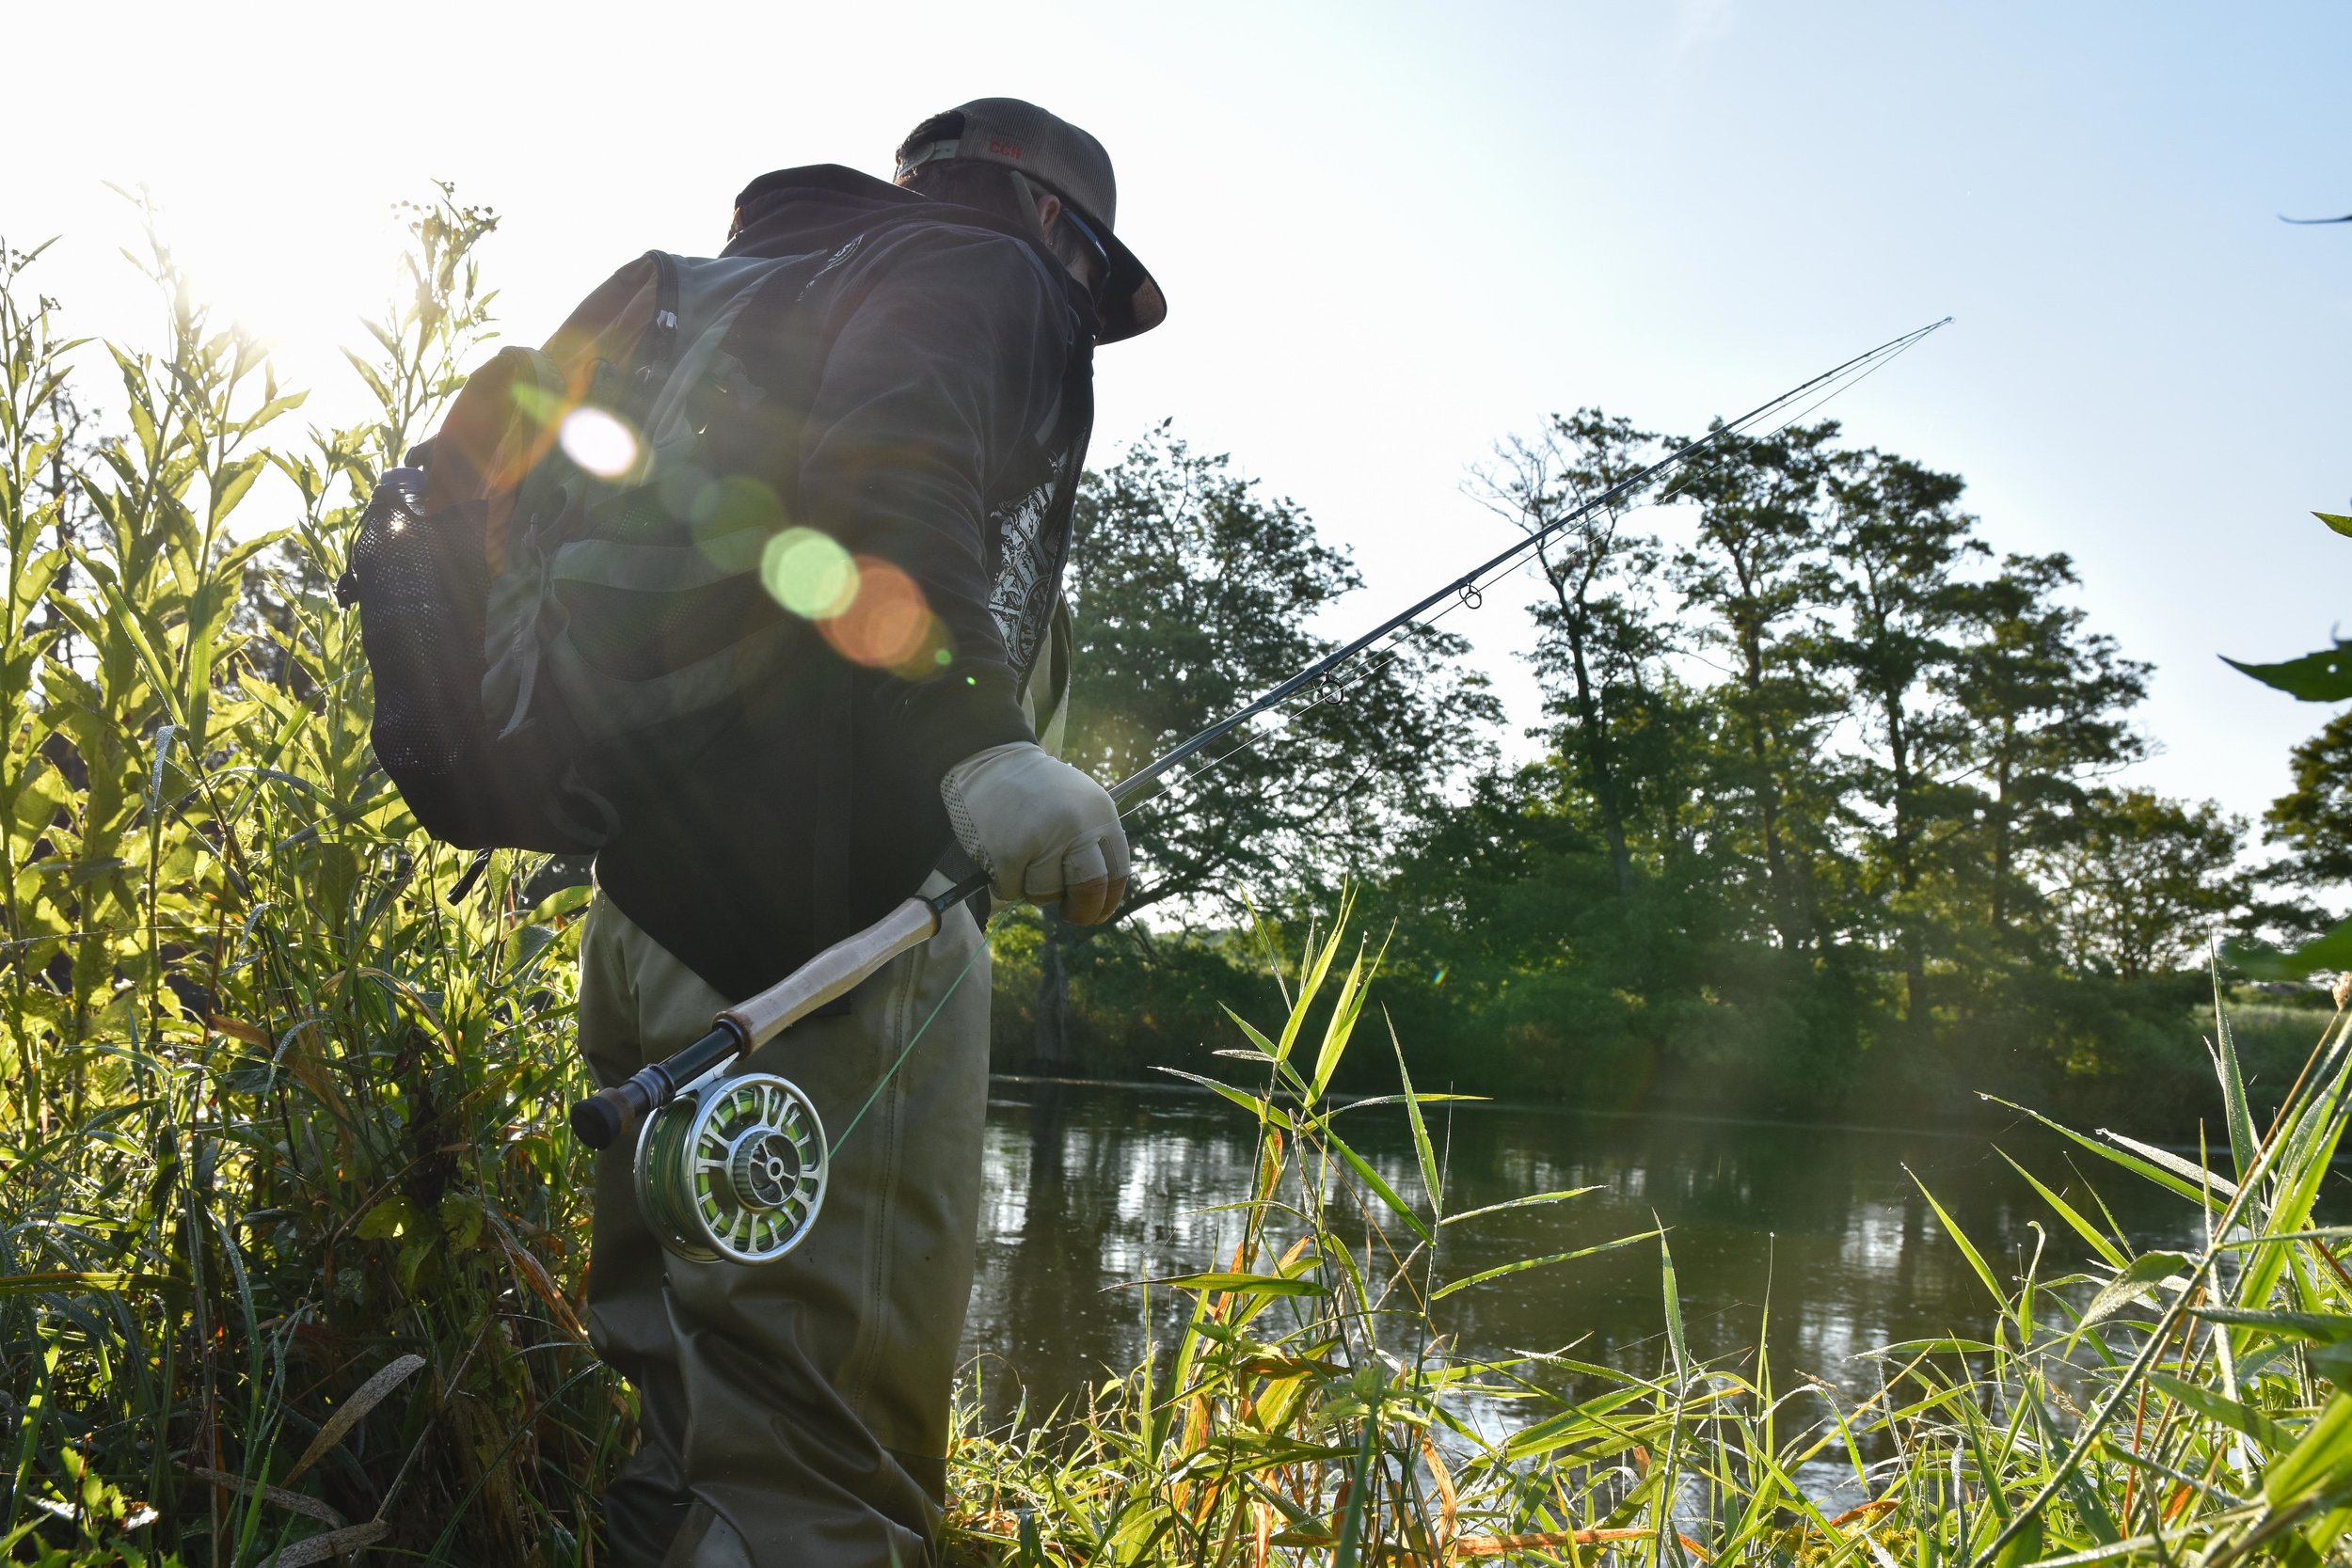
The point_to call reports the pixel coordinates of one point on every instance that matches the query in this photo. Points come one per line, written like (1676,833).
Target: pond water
(1816,1238)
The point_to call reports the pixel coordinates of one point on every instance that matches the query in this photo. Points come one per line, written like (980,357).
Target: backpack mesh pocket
(420,586)
(420,581)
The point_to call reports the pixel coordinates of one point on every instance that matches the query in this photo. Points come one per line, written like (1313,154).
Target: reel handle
(609,1115)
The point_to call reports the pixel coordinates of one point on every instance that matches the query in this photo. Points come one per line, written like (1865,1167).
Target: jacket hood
(802,208)
(823,206)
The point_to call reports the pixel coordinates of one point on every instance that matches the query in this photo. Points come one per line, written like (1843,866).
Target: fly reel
(734,1168)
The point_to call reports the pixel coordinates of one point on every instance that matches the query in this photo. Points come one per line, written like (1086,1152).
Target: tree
(2309,817)
(1896,603)
(1600,630)
(2144,881)
(1191,595)
(2045,702)
(1749,571)
(2314,819)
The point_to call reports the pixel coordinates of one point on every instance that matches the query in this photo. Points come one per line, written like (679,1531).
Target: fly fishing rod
(735,1167)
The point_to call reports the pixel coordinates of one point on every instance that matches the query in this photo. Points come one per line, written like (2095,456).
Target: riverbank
(2094,1052)
(1973,1134)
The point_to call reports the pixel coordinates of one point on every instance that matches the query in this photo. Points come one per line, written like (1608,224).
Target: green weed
(291,1243)
(2160,1407)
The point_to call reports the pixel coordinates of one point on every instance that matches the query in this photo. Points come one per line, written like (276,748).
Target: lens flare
(888,624)
(735,501)
(680,487)
(599,442)
(808,574)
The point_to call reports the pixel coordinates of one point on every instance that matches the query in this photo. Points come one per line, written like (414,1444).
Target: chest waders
(735,1167)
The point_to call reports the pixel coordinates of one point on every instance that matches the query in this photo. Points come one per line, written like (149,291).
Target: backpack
(550,577)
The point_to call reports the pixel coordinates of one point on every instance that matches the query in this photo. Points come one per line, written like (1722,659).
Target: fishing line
(940,1006)
(1469,589)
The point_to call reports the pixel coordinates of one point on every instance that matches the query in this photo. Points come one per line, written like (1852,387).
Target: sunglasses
(1093,243)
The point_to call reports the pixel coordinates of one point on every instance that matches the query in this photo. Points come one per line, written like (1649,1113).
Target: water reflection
(1815,1236)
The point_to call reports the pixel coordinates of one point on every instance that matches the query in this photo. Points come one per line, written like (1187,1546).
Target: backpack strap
(835,800)
(658,350)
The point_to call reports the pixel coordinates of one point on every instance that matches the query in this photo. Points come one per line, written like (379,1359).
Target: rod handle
(611,1114)
(833,973)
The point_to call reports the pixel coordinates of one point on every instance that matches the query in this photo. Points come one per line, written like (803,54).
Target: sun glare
(299,287)
(599,442)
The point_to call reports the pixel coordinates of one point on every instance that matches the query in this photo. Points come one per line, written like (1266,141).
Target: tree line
(1825,808)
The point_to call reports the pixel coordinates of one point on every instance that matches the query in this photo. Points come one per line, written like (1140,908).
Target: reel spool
(733,1169)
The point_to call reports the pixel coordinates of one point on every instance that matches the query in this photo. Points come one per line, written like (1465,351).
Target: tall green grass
(291,1240)
(2161,1407)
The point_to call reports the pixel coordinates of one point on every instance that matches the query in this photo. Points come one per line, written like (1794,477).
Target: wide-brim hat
(1056,155)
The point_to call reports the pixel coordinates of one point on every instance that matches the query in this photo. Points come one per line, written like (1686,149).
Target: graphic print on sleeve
(1028,536)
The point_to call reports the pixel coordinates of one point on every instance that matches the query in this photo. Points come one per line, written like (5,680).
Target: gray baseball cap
(1051,152)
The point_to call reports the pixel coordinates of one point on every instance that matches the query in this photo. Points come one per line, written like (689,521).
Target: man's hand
(1044,830)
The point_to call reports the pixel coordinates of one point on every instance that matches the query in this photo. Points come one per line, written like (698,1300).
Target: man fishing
(795,1412)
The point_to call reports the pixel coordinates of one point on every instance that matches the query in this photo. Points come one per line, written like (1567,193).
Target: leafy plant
(280,1122)
(2323,676)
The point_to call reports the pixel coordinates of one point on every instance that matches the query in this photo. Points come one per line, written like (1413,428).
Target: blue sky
(1393,234)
